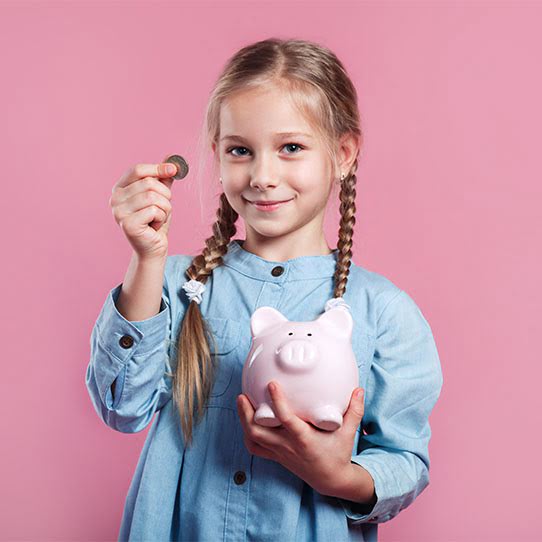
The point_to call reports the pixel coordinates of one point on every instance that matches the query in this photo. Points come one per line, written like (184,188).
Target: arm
(140,293)
(402,388)
(140,296)
(126,377)
(358,487)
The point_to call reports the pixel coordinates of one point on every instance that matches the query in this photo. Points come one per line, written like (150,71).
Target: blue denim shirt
(215,489)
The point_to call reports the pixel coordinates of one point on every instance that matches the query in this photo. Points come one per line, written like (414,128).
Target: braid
(347,197)
(216,245)
(193,378)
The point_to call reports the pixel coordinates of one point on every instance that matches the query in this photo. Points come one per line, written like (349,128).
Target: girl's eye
(230,150)
(235,148)
(293,145)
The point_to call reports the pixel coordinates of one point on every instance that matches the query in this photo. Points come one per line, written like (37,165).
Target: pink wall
(448,208)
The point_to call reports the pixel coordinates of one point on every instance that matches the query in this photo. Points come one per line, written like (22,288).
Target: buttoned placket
(238,498)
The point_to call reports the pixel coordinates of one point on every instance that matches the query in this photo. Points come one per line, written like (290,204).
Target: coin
(180,162)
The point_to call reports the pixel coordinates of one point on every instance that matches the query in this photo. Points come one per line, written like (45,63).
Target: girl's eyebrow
(279,134)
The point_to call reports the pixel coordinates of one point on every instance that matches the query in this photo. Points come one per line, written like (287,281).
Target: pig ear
(339,320)
(265,318)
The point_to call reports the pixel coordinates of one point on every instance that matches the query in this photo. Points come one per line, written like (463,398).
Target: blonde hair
(323,92)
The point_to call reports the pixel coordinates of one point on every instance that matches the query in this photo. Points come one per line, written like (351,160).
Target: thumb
(166,170)
(355,411)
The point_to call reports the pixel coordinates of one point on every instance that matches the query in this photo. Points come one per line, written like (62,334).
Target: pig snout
(297,355)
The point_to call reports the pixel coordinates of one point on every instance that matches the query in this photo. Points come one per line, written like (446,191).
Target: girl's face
(259,162)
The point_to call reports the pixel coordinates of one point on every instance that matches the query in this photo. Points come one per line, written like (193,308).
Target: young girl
(172,339)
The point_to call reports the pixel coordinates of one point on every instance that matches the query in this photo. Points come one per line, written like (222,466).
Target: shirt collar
(300,268)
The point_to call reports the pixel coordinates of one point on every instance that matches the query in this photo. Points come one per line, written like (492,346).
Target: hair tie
(336,302)
(194,290)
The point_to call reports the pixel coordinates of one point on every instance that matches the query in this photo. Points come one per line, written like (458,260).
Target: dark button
(239,477)
(126,341)
(277,271)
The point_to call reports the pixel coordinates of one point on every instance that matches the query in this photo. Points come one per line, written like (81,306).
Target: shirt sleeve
(134,355)
(402,388)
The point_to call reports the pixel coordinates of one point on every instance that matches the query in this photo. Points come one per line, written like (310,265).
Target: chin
(271,230)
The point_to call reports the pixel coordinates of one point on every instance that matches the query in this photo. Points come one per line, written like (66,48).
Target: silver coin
(182,166)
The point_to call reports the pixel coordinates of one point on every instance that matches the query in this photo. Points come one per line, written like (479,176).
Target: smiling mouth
(268,206)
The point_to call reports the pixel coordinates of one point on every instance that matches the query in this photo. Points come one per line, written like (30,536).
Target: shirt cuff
(121,337)
(360,512)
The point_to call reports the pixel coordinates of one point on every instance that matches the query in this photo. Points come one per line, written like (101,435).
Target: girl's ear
(348,151)
(216,154)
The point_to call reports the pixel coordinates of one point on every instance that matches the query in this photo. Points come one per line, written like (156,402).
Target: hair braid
(193,378)
(347,197)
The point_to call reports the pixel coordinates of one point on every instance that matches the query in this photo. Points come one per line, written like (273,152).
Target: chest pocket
(227,335)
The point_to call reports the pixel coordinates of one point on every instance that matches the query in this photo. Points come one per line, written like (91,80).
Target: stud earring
(342,176)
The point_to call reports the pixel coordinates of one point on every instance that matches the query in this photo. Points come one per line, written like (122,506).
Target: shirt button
(239,477)
(126,341)
(277,271)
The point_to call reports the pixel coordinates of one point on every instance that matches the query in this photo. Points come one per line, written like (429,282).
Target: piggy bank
(313,362)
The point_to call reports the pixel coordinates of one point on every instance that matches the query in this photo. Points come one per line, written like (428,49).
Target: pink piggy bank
(313,362)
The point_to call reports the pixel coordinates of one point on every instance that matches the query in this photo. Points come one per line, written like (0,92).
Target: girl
(284,128)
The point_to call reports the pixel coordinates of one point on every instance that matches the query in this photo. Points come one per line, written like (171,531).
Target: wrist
(356,485)
(149,261)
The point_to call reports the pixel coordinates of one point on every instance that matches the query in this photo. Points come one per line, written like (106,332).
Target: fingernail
(272,386)
(360,394)
(170,168)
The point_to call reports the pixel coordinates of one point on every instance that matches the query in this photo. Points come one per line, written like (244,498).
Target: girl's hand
(141,206)
(320,458)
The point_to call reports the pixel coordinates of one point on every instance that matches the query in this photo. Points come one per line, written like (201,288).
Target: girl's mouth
(269,207)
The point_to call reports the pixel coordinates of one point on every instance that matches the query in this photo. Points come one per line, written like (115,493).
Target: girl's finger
(139,171)
(292,423)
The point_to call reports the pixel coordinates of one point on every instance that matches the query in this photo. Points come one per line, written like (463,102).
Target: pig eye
(290,333)
(309,334)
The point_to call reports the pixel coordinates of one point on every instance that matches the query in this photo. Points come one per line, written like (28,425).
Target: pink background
(448,208)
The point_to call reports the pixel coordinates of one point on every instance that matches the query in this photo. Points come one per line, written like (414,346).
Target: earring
(342,176)
(220,179)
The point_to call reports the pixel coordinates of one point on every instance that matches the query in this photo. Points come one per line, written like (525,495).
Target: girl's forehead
(269,115)
(274,109)
(265,126)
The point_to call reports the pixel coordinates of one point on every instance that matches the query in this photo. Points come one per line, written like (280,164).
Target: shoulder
(387,301)
(394,307)
(376,288)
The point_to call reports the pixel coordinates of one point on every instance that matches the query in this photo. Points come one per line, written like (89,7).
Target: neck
(282,248)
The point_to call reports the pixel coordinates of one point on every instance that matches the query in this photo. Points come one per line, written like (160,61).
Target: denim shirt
(215,489)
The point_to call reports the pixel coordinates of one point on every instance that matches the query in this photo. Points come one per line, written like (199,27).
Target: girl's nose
(262,183)
(263,175)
